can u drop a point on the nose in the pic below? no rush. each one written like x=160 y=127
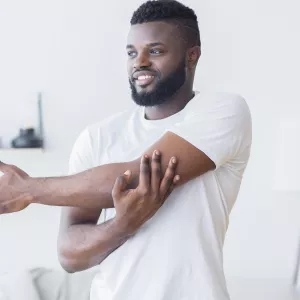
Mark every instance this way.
x=142 y=61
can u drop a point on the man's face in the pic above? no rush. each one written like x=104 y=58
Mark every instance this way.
x=156 y=62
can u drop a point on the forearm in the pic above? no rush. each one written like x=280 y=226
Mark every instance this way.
x=88 y=189
x=84 y=246
x=92 y=188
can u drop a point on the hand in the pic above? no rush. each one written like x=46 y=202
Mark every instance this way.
x=135 y=206
x=13 y=189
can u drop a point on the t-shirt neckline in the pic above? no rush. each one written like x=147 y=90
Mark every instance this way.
x=169 y=119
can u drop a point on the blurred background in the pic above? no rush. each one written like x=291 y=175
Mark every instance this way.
x=73 y=53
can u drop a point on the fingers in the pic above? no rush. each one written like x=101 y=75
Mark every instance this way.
x=144 y=181
x=172 y=187
x=156 y=173
x=169 y=177
x=121 y=184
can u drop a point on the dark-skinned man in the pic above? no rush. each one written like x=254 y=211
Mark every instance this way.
x=163 y=233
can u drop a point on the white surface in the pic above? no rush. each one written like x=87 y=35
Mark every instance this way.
x=78 y=61
x=287 y=166
x=262 y=289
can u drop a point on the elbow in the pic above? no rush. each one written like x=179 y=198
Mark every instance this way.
x=69 y=261
x=68 y=268
x=72 y=265
x=69 y=265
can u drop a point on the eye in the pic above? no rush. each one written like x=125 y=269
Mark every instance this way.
x=156 y=51
x=131 y=53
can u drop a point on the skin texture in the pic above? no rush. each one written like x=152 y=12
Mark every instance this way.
x=82 y=243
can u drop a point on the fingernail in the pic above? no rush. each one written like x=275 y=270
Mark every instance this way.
x=127 y=173
x=157 y=152
x=173 y=160
x=177 y=177
x=146 y=156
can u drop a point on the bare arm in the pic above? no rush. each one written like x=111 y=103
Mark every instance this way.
x=92 y=188
x=83 y=244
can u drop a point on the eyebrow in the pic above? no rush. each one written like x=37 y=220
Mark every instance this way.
x=149 y=45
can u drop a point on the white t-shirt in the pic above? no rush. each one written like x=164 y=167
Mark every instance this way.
x=177 y=254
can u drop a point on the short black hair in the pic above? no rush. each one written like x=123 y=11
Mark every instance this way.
x=170 y=11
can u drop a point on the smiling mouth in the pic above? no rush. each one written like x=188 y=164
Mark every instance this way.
x=144 y=80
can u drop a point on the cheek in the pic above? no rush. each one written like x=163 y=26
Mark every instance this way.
x=167 y=66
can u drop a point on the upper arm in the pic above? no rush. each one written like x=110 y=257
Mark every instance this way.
x=81 y=159
x=207 y=139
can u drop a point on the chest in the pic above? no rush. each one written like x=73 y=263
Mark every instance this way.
x=125 y=144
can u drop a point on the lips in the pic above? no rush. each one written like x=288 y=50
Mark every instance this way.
x=143 y=78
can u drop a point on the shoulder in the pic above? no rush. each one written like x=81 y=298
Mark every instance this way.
x=110 y=123
x=219 y=102
x=87 y=145
x=91 y=134
x=220 y=109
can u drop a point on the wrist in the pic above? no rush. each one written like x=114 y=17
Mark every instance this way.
x=122 y=228
x=35 y=189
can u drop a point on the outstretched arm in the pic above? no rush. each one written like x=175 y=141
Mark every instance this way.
x=91 y=189
x=209 y=138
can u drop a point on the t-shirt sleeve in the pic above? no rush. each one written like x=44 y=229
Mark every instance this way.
x=81 y=157
x=220 y=128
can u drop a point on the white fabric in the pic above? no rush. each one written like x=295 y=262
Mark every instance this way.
x=178 y=253
x=18 y=285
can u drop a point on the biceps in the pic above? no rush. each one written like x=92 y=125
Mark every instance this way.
x=192 y=162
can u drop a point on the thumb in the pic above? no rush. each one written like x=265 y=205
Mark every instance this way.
x=121 y=184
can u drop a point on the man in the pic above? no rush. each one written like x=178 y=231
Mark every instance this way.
x=149 y=248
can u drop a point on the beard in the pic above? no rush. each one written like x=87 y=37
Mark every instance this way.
x=164 y=89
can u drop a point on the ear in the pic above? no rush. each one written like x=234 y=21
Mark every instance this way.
x=193 y=56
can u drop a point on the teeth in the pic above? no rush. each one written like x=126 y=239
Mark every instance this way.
x=143 y=77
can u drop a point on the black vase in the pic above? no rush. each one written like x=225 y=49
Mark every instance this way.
x=27 y=139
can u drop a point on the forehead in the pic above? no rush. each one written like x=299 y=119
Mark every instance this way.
x=153 y=32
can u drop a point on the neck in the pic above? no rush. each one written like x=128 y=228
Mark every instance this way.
x=171 y=106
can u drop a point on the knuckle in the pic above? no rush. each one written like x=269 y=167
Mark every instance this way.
x=170 y=175
x=156 y=197
x=156 y=160
x=156 y=170
x=144 y=169
x=169 y=180
x=119 y=179
x=144 y=192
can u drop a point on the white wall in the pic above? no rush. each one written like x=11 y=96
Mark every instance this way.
x=73 y=51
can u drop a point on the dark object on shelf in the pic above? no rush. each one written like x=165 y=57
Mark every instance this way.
x=27 y=139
